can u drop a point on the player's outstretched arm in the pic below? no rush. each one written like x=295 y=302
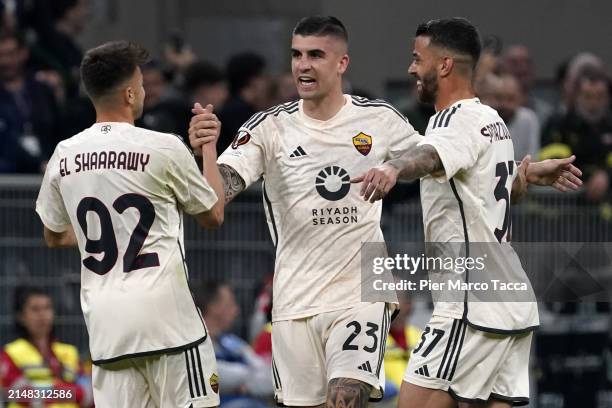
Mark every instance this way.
x=560 y=174
x=412 y=165
x=64 y=239
x=520 y=183
x=201 y=135
x=209 y=127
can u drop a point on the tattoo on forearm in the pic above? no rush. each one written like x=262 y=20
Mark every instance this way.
x=418 y=163
x=348 y=393
x=233 y=184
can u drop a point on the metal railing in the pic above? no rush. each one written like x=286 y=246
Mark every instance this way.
x=240 y=253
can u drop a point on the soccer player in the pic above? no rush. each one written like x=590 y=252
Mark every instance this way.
x=328 y=346
x=473 y=352
x=119 y=191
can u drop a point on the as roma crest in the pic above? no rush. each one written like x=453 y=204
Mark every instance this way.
x=214 y=383
x=363 y=143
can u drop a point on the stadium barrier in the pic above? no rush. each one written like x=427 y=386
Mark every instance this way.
x=241 y=251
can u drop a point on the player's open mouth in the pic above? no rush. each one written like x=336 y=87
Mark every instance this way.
x=306 y=82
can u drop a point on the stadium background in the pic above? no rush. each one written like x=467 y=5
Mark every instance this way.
x=573 y=362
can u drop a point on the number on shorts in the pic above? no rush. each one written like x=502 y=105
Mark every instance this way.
x=437 y=334
x=371 y=332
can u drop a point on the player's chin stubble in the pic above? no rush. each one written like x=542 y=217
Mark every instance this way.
x=429 y=88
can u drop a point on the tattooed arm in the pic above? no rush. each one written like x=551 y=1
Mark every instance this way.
x=418 y=163
x=348 y=392
x=233 y=184
x=412 y=165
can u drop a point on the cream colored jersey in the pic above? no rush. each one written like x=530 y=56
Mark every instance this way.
x=471 y=203
x=123 y=189
x=317 y=219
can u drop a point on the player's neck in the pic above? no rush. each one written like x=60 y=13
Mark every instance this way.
x=458 y=92
x=326 y=108
x=119 y=117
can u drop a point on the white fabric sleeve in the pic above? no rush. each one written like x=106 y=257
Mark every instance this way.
x=458 y=145
x=50 y=204
x=403 y=137
x=247 y=154
x=191 y=189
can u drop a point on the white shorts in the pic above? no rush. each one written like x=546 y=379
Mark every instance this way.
x=309 y=352
x=472 y=365
x=183 y=379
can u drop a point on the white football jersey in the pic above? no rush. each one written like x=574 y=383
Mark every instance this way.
x=123 y=189
x=317 y=218
x=471 y=203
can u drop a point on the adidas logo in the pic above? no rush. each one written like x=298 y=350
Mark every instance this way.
x=422 y=371
x=366 y=367
x=299 y=152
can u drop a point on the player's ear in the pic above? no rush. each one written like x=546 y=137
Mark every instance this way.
x=446 y=66
x=129 y=95
x=343 y=65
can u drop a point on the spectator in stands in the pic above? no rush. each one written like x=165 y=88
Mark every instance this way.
x=518 y=62
x=57 y=47
x=205 y=83
x=249 y=93
x=488 y=66
x=178 y=56
x=8 y=17
x=29 y=113
x=162 y=111
x=522 y=122
x=586 y=131
x=246 y=378
x=570 y=72
x=37 y=360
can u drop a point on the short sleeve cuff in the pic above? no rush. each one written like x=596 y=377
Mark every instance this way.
x=46 y=220
x=445 y=157
x=203 y=205
x=236 y=163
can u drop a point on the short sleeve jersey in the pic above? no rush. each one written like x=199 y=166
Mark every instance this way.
x=471 y=202
x=317 y=219
x=124 y=189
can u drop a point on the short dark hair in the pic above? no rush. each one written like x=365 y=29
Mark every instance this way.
x=208 y=293
x=321 y=26
x=242 y=69
x=61 y=7
x=22 y=294
x=105 y=67
x=456 y=34
x=202 y=73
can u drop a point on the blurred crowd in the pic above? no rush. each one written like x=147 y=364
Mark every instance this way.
x=42 y=103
